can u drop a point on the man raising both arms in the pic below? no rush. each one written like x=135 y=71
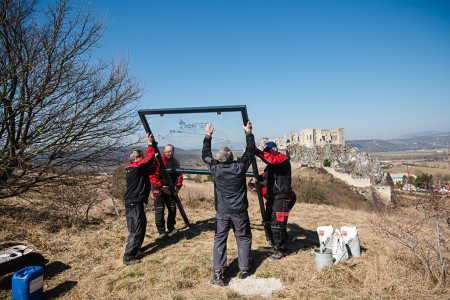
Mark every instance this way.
x=231 y=202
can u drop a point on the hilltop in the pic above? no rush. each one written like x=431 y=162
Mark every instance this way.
x=85 y=261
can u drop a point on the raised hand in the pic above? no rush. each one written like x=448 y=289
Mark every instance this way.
x=209 y=129
x=248 y=127
x=150 y=139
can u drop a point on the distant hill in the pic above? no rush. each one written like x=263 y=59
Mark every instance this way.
x=417 y=142
x=422 y=133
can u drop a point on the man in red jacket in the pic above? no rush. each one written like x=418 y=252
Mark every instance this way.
x=136 y=194
x=163 y=196
x=277 y=180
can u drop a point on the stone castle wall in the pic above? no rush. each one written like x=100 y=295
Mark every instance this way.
x=358 y=169
x=319 y=137
x=308 y=138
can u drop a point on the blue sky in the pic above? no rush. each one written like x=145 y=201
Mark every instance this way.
x=379 y=69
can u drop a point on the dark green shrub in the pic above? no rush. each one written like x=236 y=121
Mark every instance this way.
x=326 y=162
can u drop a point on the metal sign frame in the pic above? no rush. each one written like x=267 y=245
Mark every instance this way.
x=209 y=109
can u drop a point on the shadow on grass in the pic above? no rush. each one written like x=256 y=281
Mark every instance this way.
x=184 y=233
x=60 y=290
x=298 y=239
x=256 y=259
x=54 y=268
x=50 y=270
x=7 y=269
x=301 y=239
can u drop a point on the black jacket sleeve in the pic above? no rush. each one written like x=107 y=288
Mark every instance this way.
x=250 y=150
x=206 y=151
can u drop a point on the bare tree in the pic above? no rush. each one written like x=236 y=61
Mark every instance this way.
x=61 y=109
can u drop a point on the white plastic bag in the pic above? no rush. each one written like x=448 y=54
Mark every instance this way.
x=351 y=238
x=339 y=251
x=325 y=234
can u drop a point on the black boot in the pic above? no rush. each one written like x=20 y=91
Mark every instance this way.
x=217 y=278
x=243 y=274
x=277 y=254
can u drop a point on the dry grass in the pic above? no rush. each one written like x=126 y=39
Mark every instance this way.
x=317 y=186
x=86 y=262
x=435 y=169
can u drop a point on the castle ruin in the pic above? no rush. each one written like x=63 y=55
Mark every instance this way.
x=318 y=137
x=308 y=138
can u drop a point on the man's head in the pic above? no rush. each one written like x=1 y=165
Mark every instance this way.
x=270 y=147
x=168 y=151
x=136 y=155
x=224 y=155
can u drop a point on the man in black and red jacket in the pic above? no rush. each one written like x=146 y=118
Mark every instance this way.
x=277 y=180
x=162 y=195
x=136 y=194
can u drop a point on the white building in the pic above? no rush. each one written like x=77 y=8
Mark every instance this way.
x=318 y=137
x=398 y=177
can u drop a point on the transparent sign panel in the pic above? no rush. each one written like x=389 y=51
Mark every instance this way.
x=184 y=128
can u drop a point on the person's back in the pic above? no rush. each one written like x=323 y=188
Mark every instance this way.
x=137 y=182
x=277 y=175
x=230 y=185
x=231 y=202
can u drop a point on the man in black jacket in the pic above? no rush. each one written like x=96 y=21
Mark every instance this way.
x=136 y=194
x=280 y=197
x=231 y=202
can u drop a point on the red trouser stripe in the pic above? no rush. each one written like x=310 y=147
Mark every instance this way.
x=281 y=215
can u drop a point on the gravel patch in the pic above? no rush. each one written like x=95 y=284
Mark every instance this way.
x=252 y=286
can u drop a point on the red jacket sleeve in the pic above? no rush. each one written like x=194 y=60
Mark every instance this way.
x=180 y=180
x=155 y=178
x=263 y=191
x=270 y=159
x=148 y=159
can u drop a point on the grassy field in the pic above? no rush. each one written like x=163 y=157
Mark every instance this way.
x=85 y=261
x=416 y=168
x=415 y=162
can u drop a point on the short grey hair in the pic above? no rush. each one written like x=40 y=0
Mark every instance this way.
x=135 y=154
x=171 y=146
x=224 y=155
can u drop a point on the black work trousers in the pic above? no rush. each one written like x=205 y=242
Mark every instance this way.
x=137 y=224
x=161 y=202
x=242 y=233
x=277 y=211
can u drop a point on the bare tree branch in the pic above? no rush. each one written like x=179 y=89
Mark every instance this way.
x=61 y=109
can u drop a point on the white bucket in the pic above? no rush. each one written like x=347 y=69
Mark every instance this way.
x=351 y=238
x=340 y=253
x=325 y=234
x=323 y=259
